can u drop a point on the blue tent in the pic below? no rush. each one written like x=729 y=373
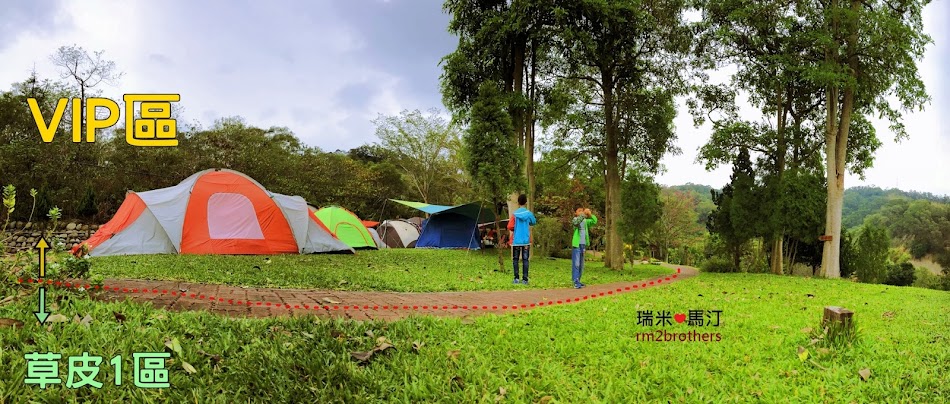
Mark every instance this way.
x=449 y=226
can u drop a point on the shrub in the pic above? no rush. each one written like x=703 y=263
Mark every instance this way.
x=549 y=236
x=718 y=265
x=923 y=278
x=564 y=253
x=900 y=275
x=73 y=267
x=872 y=250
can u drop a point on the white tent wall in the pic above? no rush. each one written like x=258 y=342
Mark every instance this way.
x=318 y=240
x=144 y=236
x=168 y=205
x=379 y=241
x=297 y=214
x=310 y=236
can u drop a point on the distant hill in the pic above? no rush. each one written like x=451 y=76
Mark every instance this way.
x=861 y=202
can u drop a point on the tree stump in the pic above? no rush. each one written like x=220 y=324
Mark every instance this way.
x=837 y=314
x=838 y=321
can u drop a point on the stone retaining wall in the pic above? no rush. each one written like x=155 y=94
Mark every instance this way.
x=24 y=236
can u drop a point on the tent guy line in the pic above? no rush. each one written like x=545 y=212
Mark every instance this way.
x=598 y=291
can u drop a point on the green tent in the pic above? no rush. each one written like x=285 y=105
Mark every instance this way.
x=346 y=227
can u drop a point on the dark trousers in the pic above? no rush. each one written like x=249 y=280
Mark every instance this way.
x=520 y=251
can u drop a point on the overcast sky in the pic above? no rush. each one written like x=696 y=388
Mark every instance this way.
x=326 y=68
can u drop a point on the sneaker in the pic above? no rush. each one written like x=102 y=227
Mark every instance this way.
x=524 y=282
x=516 y=282
x=582 y=284
x=577 y=285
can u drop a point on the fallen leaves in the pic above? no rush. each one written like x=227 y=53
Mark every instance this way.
x=382 y=345
x=119 y=316
x=10 y=322
x=453 y=354
x=416 y=345
x=174 y=346
x=214 y=358
x=57 y=318
x=865 y=374
x=85 y=321
x=802 y=354
x=888 y=314
x=501 y=394
x=329 y=300
x=188 y=368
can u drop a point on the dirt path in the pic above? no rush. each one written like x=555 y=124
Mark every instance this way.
x=240 y=301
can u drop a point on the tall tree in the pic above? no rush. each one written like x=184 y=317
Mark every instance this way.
x=493 y=158
x=423 y=145
x=614 y=48
x=766 y=43
x=677 y=226
x=642 y=208
x=508 y=43
x=734 y=219
x=871 y=49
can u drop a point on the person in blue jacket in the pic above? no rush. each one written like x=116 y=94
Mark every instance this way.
x=521 y=239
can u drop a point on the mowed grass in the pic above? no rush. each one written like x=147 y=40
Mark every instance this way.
x=584 y=352
x=398 y=270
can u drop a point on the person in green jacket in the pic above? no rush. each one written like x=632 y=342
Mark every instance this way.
x=583 y=220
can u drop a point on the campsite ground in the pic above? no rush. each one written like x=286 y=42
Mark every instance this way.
x=770 y=348
x=396 y=270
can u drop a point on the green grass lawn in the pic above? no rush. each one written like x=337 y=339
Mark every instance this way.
x=586 y=352
x=398 y=270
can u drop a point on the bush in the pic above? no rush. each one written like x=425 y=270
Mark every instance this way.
x=564 y=253
x=718 y=265
x=73 y=267
x=900 y=275
x=923 y=278
x=549 y=236
x=872 y=250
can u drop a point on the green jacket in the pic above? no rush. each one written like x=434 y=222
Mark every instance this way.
x=577 y=231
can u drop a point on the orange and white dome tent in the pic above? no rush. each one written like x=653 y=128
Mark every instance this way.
x=216 y=211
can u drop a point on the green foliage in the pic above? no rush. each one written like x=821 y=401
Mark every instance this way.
x=735 y=219
x=923 y=278
x=677 y=228
x=87 y=205
x=922 y=225
x=872 y=247
x=863 y=201
x=75 y=267
x=9 y=199
x=549 y=236
x=719 y=265
x=900 y=274
x=848 y=259
x=641 y=207
x=494 y=160
x=424 y=149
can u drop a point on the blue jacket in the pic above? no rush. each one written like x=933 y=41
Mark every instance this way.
x=523 y=219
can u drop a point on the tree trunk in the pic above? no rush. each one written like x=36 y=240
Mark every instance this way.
x=614 y=251
x=777 y=260
x=836 y=147
x=736 y=255
x=517 y=113
x=498 y=246
x=529 y=130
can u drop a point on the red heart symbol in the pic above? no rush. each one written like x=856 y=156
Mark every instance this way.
x=679 y=317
